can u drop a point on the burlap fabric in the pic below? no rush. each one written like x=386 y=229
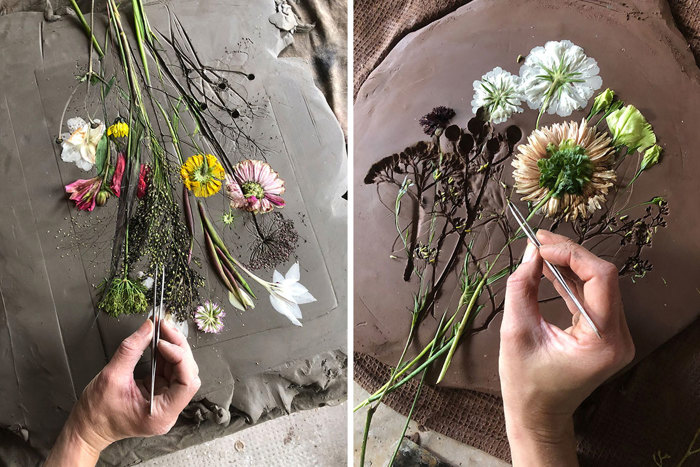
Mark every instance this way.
x=379 y=25
x=648 y=416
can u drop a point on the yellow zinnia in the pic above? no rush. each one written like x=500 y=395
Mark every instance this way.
x=202 y=175
x=118 y=130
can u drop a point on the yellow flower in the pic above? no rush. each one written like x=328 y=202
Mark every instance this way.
x=202 y=175
x=118 y=130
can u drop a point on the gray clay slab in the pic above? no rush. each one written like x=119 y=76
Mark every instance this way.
x=53 y=256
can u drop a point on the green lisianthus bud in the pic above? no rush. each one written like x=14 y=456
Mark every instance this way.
x=602 y=102
x=629 y=128
x=102 y=198
x=651 y=157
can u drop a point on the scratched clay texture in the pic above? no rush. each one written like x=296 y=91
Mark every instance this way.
x=52 y=342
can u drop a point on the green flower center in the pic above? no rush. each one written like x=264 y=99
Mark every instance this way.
x=498 y=95
x=204 y=173
x=253 y=189
x=566 y=169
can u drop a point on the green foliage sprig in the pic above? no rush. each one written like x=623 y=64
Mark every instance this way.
x=123 y=296
x=567 y=169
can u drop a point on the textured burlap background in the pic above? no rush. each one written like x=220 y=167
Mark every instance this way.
x=379 y=25
x=653 y=409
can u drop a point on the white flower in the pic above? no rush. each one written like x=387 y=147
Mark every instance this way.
x=286 y=294
x=499 y=93
x=559 y=78
x=80 y=145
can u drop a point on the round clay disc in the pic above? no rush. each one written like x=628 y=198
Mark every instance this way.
x=641 y=56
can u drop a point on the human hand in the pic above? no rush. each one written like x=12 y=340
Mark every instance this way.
x=115 y=406
x=546 y=372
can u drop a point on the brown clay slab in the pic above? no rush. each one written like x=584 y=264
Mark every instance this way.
x=641 y=55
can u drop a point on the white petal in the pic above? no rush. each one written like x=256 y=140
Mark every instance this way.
x=290 y=310
x=233 y=300
x=75 y=123
x=277 y=276
x=293 y=273
x=247 y=301
x=306 y=297
x=83 y=164
x=293 y=288
x=95 y=134
x=70 y=153
x=285 y=296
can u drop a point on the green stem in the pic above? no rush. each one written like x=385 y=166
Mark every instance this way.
x=410 y=364
x=477 y=292
x=415 y=400
x=368 y=422
x=413 y=374
x=87 y=28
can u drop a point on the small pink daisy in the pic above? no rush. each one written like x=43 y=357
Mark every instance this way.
x=254 y=187
x=208 y=317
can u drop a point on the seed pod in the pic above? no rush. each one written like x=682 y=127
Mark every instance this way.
x=214 y=259
x=227 y=263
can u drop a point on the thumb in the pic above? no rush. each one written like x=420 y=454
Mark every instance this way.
x=521 y=310
x=130 y=350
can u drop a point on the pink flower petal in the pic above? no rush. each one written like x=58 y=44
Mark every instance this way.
x=116 y=184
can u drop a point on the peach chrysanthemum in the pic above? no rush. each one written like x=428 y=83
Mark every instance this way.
x=568 y=166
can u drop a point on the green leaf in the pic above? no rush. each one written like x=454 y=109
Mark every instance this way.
x=108 y=86
x=499 y=275
x=101 y=155
x=629 y=128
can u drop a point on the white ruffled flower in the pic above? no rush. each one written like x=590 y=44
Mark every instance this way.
x=80 y=145
x=559 y=78
x=498 y=91
x=286 y=294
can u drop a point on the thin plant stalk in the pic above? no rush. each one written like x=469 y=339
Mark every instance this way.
x=415 y=401
x=477 y=292
x=87 y=28
x=432 y=343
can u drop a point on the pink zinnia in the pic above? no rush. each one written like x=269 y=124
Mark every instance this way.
x=254 y=187
x=116 y=184
x=83 y=192
x=144 y=175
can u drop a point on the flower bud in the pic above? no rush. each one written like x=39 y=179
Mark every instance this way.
x=602 y=101
x=102 y=198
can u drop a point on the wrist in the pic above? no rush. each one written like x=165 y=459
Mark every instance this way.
x=541 y=440
x=84 y=429
x=75 y=446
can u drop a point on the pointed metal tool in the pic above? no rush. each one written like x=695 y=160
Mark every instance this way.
x=157 y=317
x=555 y=271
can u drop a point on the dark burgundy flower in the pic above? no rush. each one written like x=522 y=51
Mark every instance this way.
x=438 y=118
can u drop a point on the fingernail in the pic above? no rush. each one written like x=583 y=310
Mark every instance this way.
x=529 y=252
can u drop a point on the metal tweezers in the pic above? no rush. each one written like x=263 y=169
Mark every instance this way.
x=157 y=316
x=557 y=275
